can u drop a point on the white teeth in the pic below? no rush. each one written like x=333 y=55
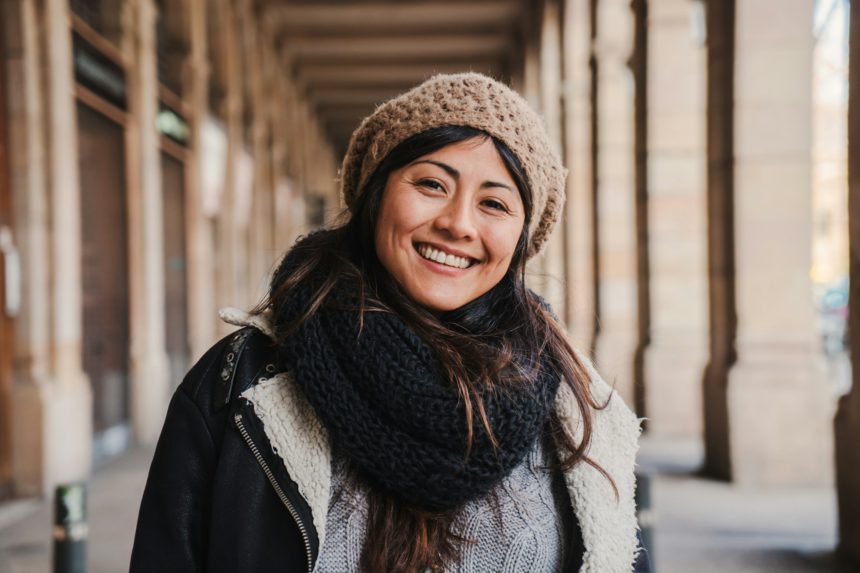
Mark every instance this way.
x=447 y=259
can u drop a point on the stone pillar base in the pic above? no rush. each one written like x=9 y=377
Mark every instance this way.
x=715 y=427
x=780 y=421
x=52 y=437
x=28 y=429
x=673 y=393
x=847 y=430
x=149 y=395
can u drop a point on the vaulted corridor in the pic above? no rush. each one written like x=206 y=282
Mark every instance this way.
x=157 y=158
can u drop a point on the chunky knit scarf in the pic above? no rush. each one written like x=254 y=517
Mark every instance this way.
x=380 y=393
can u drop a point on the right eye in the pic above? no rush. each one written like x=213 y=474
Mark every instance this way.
x=431 y=184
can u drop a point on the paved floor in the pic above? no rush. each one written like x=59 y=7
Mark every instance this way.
x=700 y=526
x=114 y=496
x=703 y=526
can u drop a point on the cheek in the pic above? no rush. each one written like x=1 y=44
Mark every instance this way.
x=395 y=216
x=384 y=222
x=503 y=244
x=391 y=236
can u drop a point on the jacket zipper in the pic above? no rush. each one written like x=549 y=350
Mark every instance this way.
x=295 y=514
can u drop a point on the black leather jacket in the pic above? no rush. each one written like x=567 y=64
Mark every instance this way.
x=218 y=498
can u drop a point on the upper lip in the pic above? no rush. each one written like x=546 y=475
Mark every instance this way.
x=448 y=250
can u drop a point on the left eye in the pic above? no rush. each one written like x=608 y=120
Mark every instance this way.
x=493 y=204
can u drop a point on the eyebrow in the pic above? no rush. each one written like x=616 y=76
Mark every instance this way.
x=456 y=174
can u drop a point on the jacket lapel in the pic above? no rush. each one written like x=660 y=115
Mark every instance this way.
x=299 y=439
x=292 y=427
x=608 y=524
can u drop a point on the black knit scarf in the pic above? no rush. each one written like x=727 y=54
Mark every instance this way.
x=387 y=408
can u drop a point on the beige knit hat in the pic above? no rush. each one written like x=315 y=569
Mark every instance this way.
x=466 y=99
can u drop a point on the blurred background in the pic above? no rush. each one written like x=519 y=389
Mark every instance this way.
x=157 y=157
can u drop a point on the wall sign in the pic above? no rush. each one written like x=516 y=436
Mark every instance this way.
x=170 y=123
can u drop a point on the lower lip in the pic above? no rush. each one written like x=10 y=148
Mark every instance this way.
x=442 y=269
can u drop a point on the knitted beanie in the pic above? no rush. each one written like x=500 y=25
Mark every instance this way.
x=467 y=99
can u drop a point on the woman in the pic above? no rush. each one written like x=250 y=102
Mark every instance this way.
x=401 y=401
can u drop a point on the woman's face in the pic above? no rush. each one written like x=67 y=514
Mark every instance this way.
x=449 y=223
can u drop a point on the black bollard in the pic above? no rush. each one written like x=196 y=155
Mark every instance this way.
x=70 y=528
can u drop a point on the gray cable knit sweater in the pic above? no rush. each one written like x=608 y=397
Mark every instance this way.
x=517 y=527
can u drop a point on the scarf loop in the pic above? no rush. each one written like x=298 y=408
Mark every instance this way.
x=389 y=410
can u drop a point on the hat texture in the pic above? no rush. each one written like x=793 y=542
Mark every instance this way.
x=467 y=99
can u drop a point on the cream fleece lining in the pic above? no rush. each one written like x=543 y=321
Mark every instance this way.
x=608 y=526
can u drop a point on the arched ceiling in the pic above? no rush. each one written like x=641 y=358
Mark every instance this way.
x=347 y=56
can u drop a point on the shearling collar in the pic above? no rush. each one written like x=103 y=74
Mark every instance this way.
x=608 y=524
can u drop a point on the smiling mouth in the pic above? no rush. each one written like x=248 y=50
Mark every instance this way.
x=443 y=258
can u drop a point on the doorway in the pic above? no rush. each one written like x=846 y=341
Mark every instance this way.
x=175 y=281
x=105 y=270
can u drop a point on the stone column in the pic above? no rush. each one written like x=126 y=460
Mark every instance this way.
x=639 y=67
x=720 y=25
x=67 y=409
x=320 y=173
x=201 y=277
x=260 y=252
x=580 y=109
x=149 y=371
x=288 y=216
x=677 y=221
x=528 y=83
x=847 y=424
x=553 y=256
x=780 y=404
x=294 y=133
x=30 y=199
x=229 y=246
x=617 y=337
x=539 y=84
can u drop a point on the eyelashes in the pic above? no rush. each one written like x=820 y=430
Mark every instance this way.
x=493 y=204
x=431 y=184
x=434 y=185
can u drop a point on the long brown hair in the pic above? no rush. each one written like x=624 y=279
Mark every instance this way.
x=503 y=337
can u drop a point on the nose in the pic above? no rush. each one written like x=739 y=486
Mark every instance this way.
x=457 y=219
